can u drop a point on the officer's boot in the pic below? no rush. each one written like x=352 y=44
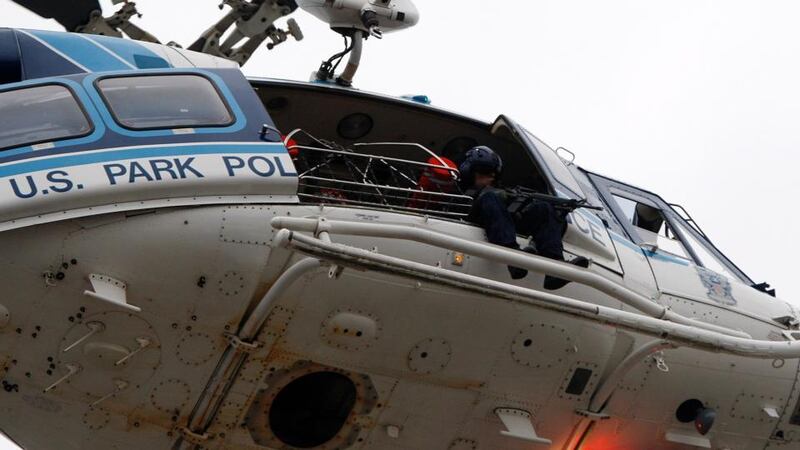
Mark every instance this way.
x=518 y=273
x=553 y=283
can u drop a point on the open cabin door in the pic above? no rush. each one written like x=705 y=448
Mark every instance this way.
x=587 y=233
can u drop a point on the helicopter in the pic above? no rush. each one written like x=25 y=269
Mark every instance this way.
x=196 y=259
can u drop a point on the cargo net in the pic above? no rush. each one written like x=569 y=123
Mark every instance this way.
x=403 y=177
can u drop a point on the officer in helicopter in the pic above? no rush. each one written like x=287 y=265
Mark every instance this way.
x=480 y=172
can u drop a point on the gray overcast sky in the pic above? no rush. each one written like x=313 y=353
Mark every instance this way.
x=696 y=100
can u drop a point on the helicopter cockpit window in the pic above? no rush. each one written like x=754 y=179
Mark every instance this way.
x=649 y=221
x=652 y=226
x=165 y=101
x=40 y=114
x=705 y=257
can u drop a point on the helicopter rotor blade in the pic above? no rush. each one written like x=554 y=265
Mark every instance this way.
x=71 y=14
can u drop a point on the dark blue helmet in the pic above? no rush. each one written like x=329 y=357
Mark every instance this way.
x=480 y=159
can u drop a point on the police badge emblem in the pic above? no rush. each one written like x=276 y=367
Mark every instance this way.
x=719 y=287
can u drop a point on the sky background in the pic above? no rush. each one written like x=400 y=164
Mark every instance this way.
x=696 y=100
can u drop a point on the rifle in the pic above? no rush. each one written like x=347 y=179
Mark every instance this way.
x=520 y=197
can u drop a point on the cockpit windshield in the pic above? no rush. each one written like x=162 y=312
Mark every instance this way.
x=706 y=258
x=652 y=226
x=652 y=223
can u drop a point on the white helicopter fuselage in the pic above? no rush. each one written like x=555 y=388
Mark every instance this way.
x=216 y=285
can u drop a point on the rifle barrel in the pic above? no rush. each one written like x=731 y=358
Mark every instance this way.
x=557 y=202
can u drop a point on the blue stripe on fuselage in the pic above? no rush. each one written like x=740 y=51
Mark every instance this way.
x=137 y=153
x=617 y=238
x=136 y=54
x=41 y=61
x=658 y=256
x=81 y=51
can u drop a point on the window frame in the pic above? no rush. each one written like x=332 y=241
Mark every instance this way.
x=608 y=187
x=522 y=135
x=113 y=114
x=555 y=180
x=78 y=102
x=688 y=252
x=595 y=198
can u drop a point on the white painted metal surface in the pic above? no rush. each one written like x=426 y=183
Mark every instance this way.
x=206 y=283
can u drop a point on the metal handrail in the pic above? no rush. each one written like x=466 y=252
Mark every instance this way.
x=453 y=172
x=381 y=182
x=502 y=255
x=330 y=149
x=380 y=194
x=688 y=218
x=679 y=334
x=378 y=157
x=385 y=206
x=216 y=390
x=394 y=188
